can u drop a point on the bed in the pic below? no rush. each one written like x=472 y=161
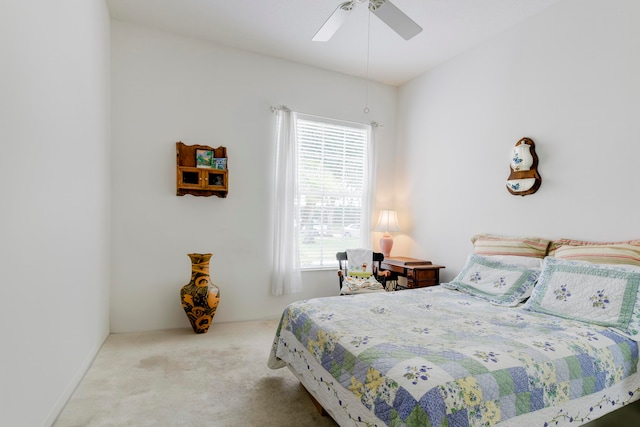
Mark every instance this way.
x=543 y=336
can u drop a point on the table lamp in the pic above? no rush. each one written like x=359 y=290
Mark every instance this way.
x=388 y=222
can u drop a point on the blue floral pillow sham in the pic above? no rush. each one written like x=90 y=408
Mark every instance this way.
x=594 y=293
x=495 y=281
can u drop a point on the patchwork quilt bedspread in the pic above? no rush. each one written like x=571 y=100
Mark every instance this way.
x=435 y=356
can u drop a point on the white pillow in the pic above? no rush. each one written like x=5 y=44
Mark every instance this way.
x=594 y=293
x=495 y=281
x=633 y=330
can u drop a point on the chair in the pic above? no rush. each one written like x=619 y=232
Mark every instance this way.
x=380 y=275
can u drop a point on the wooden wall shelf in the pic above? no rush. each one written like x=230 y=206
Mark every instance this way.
x=200 y=181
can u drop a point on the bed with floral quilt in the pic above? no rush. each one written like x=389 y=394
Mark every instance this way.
x=501 y=344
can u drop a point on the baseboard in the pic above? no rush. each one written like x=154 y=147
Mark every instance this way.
x=73 y=384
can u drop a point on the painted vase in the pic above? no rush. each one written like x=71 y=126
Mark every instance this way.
x=200 y=297
x=521 y=159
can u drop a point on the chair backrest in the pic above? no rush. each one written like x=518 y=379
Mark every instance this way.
x=378 y=257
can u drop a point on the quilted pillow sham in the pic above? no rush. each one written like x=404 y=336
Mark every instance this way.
x=592 y=293
x=491 y=244
x=497 y=282
x=522 y=261
x=627 y=253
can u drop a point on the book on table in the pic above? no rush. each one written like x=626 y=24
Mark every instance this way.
x=405 y=261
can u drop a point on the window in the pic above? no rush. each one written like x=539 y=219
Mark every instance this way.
x=333 y=188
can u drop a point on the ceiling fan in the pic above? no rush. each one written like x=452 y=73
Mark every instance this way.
x=397 y=20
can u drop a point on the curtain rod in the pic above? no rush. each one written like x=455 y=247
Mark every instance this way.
x=275 y=108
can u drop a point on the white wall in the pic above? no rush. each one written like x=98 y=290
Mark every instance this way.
x=569 y=78
x=168 y=88
x=55 y=204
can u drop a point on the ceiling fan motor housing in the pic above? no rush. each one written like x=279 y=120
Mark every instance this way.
x=375 y=4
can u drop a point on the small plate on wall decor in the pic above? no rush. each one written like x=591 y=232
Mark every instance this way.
x=524 y=177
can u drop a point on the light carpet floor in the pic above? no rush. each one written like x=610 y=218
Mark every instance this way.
x=178 y=378
x=221 y=378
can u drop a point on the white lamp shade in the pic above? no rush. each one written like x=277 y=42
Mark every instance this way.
x=388 y=221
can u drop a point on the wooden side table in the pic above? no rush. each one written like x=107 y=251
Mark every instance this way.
x=419 y=273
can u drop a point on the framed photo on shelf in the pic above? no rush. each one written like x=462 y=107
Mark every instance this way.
x=203 y=158
x=219 y=163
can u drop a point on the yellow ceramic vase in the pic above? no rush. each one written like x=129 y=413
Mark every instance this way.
x=200 y=297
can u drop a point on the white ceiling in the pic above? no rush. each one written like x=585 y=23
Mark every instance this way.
x=284 y=28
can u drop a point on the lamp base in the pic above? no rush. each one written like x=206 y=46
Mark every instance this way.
x=386 y=243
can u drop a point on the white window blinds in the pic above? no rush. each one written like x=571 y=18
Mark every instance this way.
x=332 y=181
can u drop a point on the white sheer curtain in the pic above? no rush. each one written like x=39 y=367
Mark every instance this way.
x=285 y=277
x=368 y=200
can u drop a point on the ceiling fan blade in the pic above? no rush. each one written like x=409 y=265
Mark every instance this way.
x=395 y=18
x=334 y=22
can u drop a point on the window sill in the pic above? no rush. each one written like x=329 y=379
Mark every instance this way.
x=328 y=268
